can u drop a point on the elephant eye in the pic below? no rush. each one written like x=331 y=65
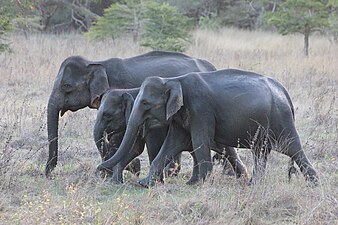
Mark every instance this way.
x=67 y=87
x=107 y=116
x=144 y=102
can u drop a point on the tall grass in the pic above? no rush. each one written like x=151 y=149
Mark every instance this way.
x=76 y=196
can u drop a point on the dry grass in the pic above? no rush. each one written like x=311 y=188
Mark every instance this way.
x=76 y=196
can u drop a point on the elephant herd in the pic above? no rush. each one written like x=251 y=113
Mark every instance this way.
x=171 y=102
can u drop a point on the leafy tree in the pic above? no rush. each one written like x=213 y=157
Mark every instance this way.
x=118 y=19
x=5 y=26
x=299 y=16
x=333 y=19
x=7 y=11
x=161 y=25
x=164 y=27
x=209 y=22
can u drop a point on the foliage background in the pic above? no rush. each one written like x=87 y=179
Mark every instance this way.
x=112 y=18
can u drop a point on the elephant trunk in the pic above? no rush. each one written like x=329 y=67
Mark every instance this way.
x=99 y=138
x=127 y=143
x=53 y=110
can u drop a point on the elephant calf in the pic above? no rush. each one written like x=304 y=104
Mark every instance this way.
x=207 y=109
x=112 y=118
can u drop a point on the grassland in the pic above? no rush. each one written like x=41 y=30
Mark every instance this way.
x=76 y=196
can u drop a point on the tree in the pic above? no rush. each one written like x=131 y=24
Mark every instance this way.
x=164 y=27
x=299 y=16
x=4 y=28
x=333 y=19
x=53 y=15
x=7 y=11
x=117 y=20
x=161 y=25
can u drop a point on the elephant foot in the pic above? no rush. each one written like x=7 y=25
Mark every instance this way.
x=172 y=169
x=134 y=167
x=105 y=174
x=150 y=181
x=227 y=170
x=147 y=182
x=51 y=164
x=115 y=180
x=312 y=180
x=193 y=180
x=292 y=170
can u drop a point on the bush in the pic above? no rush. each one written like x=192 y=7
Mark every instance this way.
x=5 y=26
x=164 y=27
x=117 y=20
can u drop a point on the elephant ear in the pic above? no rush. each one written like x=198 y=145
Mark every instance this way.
x=127 y=103
x=98 y=83
x=175 y=98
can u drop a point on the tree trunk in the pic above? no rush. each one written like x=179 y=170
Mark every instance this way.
x=306 y=43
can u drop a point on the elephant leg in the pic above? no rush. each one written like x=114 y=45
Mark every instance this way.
x=174 y=166
x=201 y=134
x=110 y=145
x=195 y=172
x=175 y=142
x=137 y=149
x=154 y=141
x=297 y=154
x=134 y=166
x=236 y=163
x=292 y=169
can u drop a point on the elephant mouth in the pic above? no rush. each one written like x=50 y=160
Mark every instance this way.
x=113 y=133
x=154 y=123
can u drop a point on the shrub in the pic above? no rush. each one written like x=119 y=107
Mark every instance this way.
x=164 y=27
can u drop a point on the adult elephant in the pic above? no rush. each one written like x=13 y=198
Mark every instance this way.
x=80 y=83
x=112 y=118
x=222 y=108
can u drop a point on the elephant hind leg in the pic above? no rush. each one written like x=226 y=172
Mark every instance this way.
x=297 y=154
x=292 y=169
x=231 y=156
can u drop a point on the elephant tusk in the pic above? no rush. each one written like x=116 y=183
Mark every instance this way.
x=62 y=112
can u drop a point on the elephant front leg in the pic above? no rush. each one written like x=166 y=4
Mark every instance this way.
x=175 y=142
x=195 y=171
x=201 y=134
x=154 y=140
x=137 y=149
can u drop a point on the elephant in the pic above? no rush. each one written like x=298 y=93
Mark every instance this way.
x=80 y=83
x=204 y=109
x=112 y=118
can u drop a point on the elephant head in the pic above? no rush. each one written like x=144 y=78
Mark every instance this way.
x=79 y=83
x=156 y=103
x=112 y=118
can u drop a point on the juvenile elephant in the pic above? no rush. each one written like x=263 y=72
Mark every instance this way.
x=112 y=118
x=227 y=107
x=80 y=83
